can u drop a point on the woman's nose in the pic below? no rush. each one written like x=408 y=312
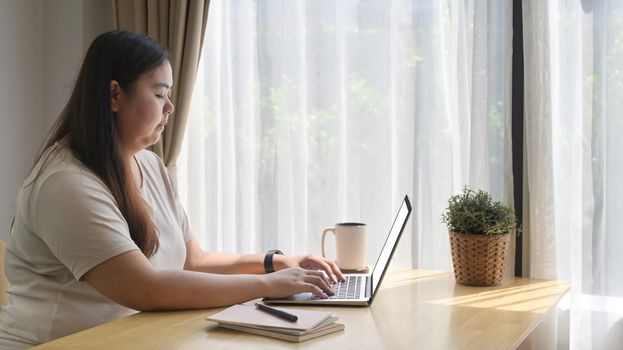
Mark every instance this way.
x=169 y=108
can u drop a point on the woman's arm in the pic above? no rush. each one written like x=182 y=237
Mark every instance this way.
x=226 y=263
x=130 y=280
x=222 y=263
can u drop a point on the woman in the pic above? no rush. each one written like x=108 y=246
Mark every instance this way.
x=99 y=231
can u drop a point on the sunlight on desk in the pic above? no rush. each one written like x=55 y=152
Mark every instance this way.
x=535 y=297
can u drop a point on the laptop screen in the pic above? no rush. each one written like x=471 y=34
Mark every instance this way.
x=390 y=243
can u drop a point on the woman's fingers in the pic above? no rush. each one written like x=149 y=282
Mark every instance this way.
x=328 y=266
x=296 y=280
x=315 y=290
x=327 y=269
x=336 y=270
x=316 y=278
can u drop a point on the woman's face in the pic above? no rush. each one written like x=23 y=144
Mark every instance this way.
x=143 y=111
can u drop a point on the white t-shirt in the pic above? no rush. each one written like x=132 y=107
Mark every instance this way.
x=66 y=223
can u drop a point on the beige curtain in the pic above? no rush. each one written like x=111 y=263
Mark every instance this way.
x=179 y=26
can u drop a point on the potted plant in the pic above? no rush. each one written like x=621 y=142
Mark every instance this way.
x=480 y=231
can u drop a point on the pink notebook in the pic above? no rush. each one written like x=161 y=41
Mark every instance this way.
x=249 y=315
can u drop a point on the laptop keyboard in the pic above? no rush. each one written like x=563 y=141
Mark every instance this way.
x=349 y=289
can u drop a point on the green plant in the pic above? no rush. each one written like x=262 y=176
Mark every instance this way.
x=477 y=213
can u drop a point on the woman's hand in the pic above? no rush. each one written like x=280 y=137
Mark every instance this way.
x=294 y=280
x=309 y=262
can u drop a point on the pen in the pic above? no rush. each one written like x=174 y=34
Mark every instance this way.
x=277 y=312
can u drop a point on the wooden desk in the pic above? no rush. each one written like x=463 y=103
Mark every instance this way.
x=414 y=308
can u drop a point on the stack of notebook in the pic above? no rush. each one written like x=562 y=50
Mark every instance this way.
x=247 y=318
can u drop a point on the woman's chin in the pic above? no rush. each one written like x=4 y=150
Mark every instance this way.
x=154 y=139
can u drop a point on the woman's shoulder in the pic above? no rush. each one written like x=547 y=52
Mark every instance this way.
x=58 y=180
x=150 y=157
x=151 y=162
x=58 y=161
x=154 y=167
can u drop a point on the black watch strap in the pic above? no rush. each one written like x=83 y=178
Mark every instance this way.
x=268 y=260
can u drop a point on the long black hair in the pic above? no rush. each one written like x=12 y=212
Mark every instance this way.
x=89 y=126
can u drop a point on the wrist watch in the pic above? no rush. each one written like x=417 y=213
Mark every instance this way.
x=268 y=260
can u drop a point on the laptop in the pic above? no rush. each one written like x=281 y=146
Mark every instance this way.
x=359 y=289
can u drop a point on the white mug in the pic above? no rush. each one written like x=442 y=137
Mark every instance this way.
x=350 y=244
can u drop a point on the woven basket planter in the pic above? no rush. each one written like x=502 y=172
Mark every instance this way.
x=479 y=260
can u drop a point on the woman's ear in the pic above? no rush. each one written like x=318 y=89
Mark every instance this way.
x=115 y=95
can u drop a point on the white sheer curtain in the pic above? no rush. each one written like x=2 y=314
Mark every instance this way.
x=308 y=113
x=574 y=107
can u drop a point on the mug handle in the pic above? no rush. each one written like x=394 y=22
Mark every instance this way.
x=324 y=233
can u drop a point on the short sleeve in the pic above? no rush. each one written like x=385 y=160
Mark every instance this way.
x=77 y=217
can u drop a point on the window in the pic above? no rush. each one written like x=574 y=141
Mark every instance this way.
x=308 y=113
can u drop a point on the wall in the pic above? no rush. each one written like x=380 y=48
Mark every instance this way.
x=21 y=68
x=62 y=52
x=42 y=43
